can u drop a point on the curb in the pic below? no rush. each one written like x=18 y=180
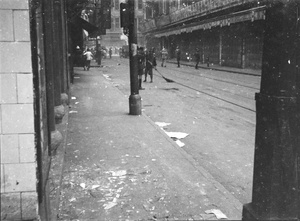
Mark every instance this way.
x=56 y=200
x=218 y=69
x=221 y=189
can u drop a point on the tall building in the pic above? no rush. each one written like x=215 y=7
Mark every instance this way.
x=227 y=32
x=114 y=37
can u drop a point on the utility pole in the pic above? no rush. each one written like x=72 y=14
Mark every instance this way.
x=276 y=178
x=128 y=23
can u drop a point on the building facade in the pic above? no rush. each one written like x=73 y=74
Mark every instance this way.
x=114 y=37
x=34 y=88
x=17 y=133
x=228 y=33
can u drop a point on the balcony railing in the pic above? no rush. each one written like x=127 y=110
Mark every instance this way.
x=200 y=8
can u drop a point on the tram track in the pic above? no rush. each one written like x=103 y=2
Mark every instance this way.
x=176 y=78
x=216 y=97
x=216 y=79
x=210 y=94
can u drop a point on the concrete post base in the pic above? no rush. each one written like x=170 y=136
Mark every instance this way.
x=59 y=112
x=135 y=104
x=64 y=99
x=56 y=140
x=251 y=215
x=275 y=179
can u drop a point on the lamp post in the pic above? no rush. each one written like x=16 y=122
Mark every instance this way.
x=134 y=98
x=276 y=180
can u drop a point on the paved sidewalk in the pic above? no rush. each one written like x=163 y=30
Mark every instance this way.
x=119 y=167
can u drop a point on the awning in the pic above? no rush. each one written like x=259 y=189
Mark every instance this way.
x=80 y=22
x=248 y=15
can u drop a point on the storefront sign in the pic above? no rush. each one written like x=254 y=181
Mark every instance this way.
x=163 y=20
x=150 y=24
x=204 y=7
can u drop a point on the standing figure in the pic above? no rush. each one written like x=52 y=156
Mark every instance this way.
x=141 y=66
x=98 y=56
x=88 y=57
x=150 y=64
x=207 y=61
x=110 y=52
x=178 y=53
x=78 y=57
x=197 y=58
x=164 y=56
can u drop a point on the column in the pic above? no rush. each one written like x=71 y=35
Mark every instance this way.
x=276 y=164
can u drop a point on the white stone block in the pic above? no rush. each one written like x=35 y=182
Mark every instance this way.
x=17 y=118
x=10 y=149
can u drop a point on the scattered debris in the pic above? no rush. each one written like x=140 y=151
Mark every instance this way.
x=107 y=76
x=73 y=112
x=177 y=135
x=73 y=98
x=109 y=205
x=95 y=186
x=72 y=199
x=162 y=124
x=119 y=173
x=217 y=213
x=179 y=143
x=148 y=207
x=83 y=185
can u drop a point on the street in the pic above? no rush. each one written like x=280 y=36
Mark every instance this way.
x=216 y=109
x=190 y=153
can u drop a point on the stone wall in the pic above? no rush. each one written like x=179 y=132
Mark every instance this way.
x=19 y=200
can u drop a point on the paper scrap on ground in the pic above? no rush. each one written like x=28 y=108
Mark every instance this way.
x=107 y=76
x=73 y=98
x=72 y=199
x=217 y=213
x=178 y=135
x=109 y=205
x=118 y=173
x=179 y=143
x=162 y=124
x=82 y=185
x=73 y=112
x=95 y=186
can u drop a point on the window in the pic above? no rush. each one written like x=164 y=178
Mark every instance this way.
x=117 y=5
x=164 y=7
x=117 y=22
x=112 y=25
x=140 y=4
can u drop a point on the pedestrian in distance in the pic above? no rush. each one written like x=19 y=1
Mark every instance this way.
x=164 y=56
x=88 y=57
x=197 y=58
x=141 y=66
x=207 y=61
x=178 y=54
x=150 y=64
x=98 y=55
x=110 y=52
